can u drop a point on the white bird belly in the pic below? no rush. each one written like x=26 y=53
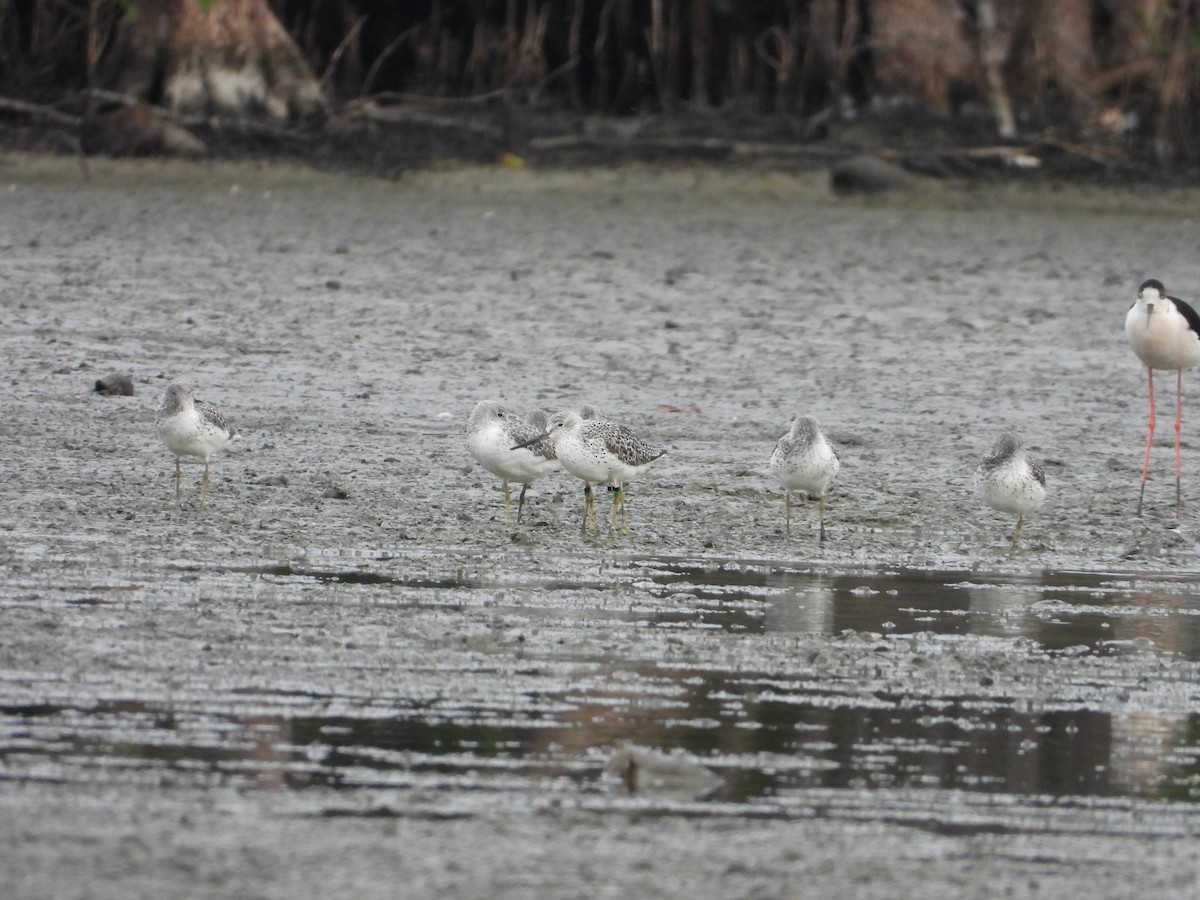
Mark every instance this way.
x=1162 y=340
x=191 y=435
x=492 y=447
x=1011 y=488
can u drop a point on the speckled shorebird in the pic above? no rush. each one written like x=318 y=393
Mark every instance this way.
x=191 y=427
x=1165 y=334
x=599 y=452
x=1008 y=480
x=492 y=431
x=804 y=460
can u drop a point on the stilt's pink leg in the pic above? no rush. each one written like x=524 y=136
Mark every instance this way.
x=1178 y=452
x=1149 y=441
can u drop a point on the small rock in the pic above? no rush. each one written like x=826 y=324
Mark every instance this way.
x=866 y=174
x=336 y=493
x=114 y=385
x=273 y=480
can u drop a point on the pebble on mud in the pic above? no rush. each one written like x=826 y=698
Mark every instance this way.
x=116 y=384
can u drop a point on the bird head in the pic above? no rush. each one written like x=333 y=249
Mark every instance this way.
x=1151 y=292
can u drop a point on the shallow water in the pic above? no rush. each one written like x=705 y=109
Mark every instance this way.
x=769 y=732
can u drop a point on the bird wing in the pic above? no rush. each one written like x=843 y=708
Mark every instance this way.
x=1185 y=310
x=212 y=414
x=623 y=443
x=783 y=447
x=520 y=432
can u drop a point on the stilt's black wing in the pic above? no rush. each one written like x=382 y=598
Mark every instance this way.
x=1193 y=318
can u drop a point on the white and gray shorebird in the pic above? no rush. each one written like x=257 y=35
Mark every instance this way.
x=599 y=452
x=191 y=427
x=492 y=431
x=1009 y=481
x=1165 y=334
x=805 y=460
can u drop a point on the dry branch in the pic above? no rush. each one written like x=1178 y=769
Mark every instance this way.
x=402 y=115
x=39 y=113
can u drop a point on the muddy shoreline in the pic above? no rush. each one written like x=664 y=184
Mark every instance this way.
x=348 y=672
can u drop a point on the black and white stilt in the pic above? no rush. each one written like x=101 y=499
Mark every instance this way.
x=1165 y=334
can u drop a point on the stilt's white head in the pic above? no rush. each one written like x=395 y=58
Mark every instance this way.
x=1151 y=292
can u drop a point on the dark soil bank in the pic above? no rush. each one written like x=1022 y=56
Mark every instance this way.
x=348 y=674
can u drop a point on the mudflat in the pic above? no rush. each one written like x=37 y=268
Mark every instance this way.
x=349 y=673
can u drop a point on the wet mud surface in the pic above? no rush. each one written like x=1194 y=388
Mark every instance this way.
x=348 y=673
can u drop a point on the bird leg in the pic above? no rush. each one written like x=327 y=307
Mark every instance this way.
x=1017 y=530
x=521 y=502
x=508 y=502
x=618 y=495
x=787 y=504
x=1149 y=442
x=1178 y=462
x=821 y=510
x=204 y=484
x=587 y=506
x=178 y=483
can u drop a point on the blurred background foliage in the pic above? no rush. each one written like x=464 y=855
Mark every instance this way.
x=1096 y=71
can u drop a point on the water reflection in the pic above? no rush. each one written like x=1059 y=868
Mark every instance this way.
x=1057 y=610
x=766 y=734
x=764 y=743
x=1104 y=614
x=1143 y=744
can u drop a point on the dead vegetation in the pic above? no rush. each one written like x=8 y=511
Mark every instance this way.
x=1118 y=75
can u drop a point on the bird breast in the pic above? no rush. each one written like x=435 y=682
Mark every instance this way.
x=1162 y=339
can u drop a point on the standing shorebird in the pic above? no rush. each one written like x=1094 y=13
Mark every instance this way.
x=804 y=460
x=191 y=427
x=1008 y=480
x=599 y=452
x=491 y=432
x=1165 y=334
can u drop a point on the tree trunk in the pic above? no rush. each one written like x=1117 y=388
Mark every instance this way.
x=1063 y=41
x=230 y=57
x=995 y=43
x=921 y=47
